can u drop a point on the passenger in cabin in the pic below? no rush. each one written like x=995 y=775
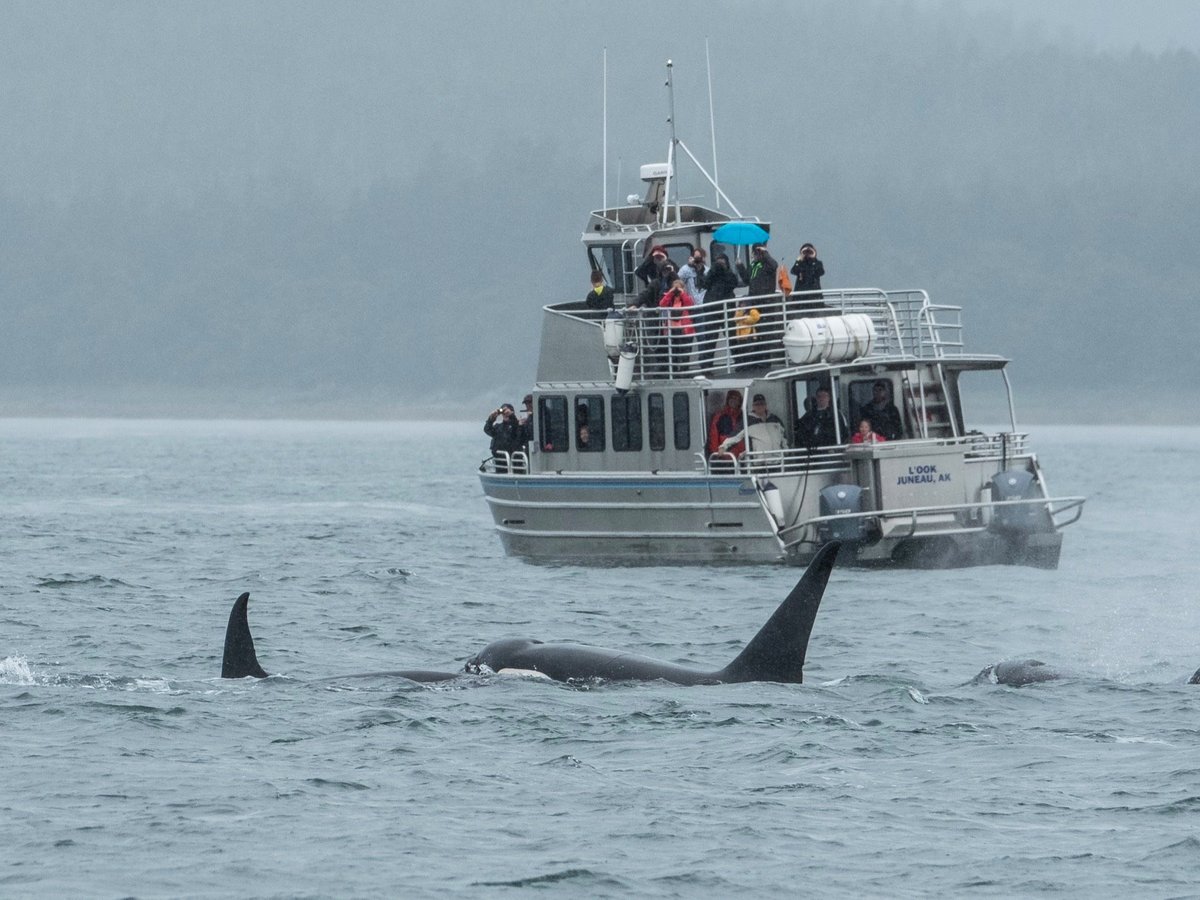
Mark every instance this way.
x=866 y=433
x=818 y=427
x=600 y=297
x=764 y=429
x=727 y=422
x=808 y=271
x=506 y=433
x=583 y=438
x=681 y=333
x=718 y=284
x=882 y=411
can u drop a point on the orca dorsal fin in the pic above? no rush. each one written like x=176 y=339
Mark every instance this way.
x=777 y=652
x=240 y=660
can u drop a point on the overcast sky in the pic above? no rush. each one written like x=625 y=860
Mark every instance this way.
x=185 y=137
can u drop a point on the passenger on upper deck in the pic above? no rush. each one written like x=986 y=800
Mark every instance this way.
x=601 y=295
x=692 y=275
x=817 y=427
x=808 y=271
x=882 y=412
x=718 y=284
x=726 y=422
x=762 y=273
x=679 y=328
x=651 y=273
x=866 y=434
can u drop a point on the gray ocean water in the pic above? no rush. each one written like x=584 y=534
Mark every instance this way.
x=131 y=769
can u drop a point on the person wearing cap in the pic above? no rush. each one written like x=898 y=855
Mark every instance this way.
x=506 y=433
x=764 y=429
x=882 y=412
x=525 y=420
x=761 y=275
x=808 y=271
x=651 y=273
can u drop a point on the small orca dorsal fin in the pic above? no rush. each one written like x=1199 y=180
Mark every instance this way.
x=1195 y=679
x=240 y=660
x=777 y=652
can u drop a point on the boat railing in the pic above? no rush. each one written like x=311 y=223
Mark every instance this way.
x=749 y=331
x=976 y=447
x=505 y=463
x=943 y=519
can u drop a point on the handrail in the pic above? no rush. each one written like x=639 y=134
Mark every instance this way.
x=914 y=511
x=748 y=330
x=504 y=463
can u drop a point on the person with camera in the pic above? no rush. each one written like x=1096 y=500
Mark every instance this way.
x=808 y=271
x=679 y=328
x=508 y=437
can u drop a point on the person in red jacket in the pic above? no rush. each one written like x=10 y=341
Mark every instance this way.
x=866 y=433
x=678 y=326
x=727 y=421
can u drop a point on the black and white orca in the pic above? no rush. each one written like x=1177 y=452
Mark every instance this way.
x=776 y=653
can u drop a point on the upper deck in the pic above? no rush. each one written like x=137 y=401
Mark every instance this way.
x=763 y=336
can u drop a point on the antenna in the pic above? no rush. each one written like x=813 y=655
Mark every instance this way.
x=712 y=123
x=671 y=148
x=604 y=169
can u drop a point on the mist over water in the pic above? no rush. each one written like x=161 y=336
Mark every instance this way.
x=308 y=210
x=132 y=769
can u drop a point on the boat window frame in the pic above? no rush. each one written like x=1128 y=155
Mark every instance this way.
x=633 y=423
x=656 y=421
x=596 y=435
x=681 y=420
x=548 y=434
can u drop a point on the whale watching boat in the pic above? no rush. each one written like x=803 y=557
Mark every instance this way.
x=626 y=465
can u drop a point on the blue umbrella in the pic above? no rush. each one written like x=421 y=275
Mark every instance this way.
x=741 y=233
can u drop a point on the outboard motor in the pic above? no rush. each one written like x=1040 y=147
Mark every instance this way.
x=625 y=368
x=1016 y=484
x=836 y=500
x=614 y=332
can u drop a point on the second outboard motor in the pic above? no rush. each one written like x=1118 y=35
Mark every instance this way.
x=625 y=368
x=1017 y=484
x=614 y=332
x=836 y=500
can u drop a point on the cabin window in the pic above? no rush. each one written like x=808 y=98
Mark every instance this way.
x=656 y=411
x=627 y=423
x=862 y=397
x=589 y=423
x=552 y=424
x=681 y=418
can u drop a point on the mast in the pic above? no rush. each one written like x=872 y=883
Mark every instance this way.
x=671 y=149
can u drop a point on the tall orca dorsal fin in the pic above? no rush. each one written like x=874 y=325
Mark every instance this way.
x=777 y=652
x=1195 y=679
x=240 y=660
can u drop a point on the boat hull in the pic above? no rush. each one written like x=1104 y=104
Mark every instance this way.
x=713 y=520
